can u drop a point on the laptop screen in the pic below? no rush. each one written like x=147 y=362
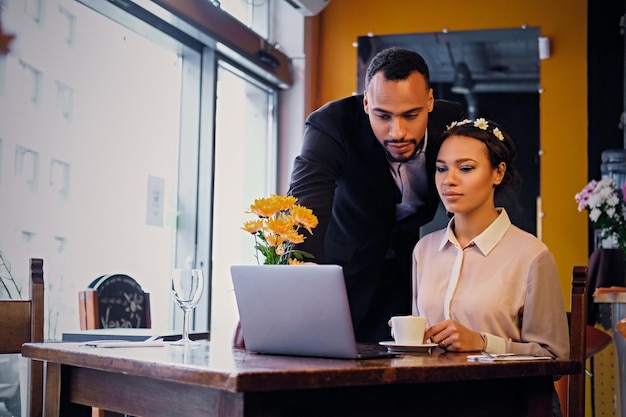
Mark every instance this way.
x=294 y=310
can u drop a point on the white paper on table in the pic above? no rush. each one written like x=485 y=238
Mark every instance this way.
x=503 y=357
x=123 y=343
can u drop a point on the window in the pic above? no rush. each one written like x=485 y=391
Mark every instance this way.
x=131 y=147
x=245 y=169
x=83 y=185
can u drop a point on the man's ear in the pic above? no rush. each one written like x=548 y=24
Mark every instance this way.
x=431 y=100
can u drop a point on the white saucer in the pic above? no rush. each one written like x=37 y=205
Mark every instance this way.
x=392 y=346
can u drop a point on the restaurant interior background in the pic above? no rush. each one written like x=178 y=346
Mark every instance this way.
x=128 y=150
x=580 y=105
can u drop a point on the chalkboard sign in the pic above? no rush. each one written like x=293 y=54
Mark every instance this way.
x=121 y=302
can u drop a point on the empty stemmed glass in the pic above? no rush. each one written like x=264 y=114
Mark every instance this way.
x=187 y=287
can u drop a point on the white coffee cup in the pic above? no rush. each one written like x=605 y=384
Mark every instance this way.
x=408 y=330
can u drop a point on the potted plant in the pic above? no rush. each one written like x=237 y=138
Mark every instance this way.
x=276 y=232
x=276 y=229
x=605 y=203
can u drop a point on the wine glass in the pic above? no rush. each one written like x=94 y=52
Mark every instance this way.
x=187 y=287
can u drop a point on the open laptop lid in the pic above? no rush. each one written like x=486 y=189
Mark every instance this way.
x=294 y=310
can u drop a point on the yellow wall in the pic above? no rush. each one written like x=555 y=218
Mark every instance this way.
x=563 y=104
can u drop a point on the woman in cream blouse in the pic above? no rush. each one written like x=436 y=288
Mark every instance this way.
x=483 y=283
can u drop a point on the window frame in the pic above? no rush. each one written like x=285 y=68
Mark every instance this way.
x=201 y=52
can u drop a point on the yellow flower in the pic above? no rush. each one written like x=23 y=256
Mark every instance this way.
x=280 y=225
x=284 y=202
x=267 y=207
x=253 y=226
x=293 y=236
x=276 y=230
x=274 y=240
x=304 y=217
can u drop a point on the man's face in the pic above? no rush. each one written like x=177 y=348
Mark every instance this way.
x=398 y=113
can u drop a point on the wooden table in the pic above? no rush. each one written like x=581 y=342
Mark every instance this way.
x=221 y=381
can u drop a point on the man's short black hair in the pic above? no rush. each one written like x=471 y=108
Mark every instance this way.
x=397 y=64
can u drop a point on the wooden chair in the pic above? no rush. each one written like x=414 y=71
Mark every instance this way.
x=585 y=341
x=21 y=322
x=113 y=301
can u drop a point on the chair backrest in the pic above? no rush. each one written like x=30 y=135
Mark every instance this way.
x=114 y=301
x=21 y=322
x=585 y=341
x=578 y=341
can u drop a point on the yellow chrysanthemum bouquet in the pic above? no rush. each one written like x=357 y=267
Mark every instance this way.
x=276 y=229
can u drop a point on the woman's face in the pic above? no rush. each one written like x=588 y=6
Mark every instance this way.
x=464 y=176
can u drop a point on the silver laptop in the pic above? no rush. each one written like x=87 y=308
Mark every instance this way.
x=297 y=310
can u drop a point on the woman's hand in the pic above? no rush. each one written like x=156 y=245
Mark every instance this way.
x=452 y=336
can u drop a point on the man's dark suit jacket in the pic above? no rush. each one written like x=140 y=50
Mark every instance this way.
x=343 y=175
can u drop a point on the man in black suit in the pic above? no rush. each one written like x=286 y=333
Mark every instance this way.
x=366 y=169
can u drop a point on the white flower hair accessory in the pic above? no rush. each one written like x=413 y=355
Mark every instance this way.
x=480 y=123
x=497 y=133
